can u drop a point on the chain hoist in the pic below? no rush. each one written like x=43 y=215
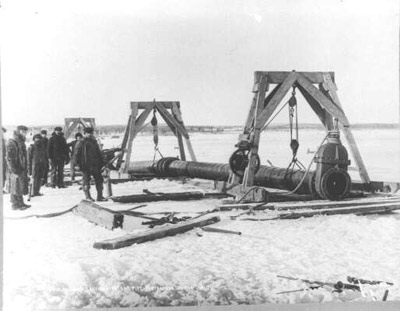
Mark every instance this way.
x=294 y=126
x=154 y=123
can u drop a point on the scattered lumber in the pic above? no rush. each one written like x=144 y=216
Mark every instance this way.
x=211 y=229
x=338 y=286
x=358 y=210
x=337 y=204
x=310 y=205
x=355 y=280
x=173 y=196
x=246 y=206
x=153 y=234
x=99 y=215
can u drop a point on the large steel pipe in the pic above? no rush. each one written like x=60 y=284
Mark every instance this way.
x=270 y=177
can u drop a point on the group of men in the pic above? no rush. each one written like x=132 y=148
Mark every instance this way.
x=22 y=165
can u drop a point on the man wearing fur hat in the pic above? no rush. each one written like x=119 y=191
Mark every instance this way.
x=45 y=140
x=16 y=157
x=58 y=153
x=90 y=160
x=37 y=157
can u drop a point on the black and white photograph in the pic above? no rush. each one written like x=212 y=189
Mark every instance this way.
x=202 y=154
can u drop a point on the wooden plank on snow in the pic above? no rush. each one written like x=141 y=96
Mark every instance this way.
x=99 y=215
x=153 y=234
x=174 y=196
x=359 y=210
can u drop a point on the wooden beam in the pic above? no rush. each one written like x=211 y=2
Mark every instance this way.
x=166 y=104
x=330 y=106
x=157 y=233
x=248 y=179
x=99 y=215
x=169 y=118
x=337 y=204
x=132 y=125
x=277 y=77
x=124 y=143
x=190 y=149
x=178 y=117
x=276 y=99
x=251 y=116
x=331 y=88
x=175 y=196
x=359 y=210
x=142 y=105
x=328 y=118
x=316 y=107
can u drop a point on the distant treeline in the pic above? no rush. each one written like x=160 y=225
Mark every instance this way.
x=106 y=130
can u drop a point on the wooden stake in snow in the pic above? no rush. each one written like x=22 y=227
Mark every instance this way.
x=153 y=234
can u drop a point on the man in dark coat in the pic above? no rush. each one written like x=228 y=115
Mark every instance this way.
x=90 y=160
x=58 y=155
x=4 y=158
x=37 y=157
x=71 y=146
x=46 y=144
x=18 y=168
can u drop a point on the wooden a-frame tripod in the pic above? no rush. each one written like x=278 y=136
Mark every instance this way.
x=323 y=100
x=72 y=123
x=170 y=112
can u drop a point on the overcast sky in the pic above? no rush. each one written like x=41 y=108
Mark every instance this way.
x=91 y=58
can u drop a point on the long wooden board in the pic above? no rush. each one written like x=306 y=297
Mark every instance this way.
x=311 y=205
x=175 y=196
x=153 y=234
x=359 y=210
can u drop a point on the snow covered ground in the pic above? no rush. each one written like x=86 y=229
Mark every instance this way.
x=51 y=262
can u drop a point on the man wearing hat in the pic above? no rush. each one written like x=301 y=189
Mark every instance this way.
x=90 y=160
x=37 y=157
x=4 y=157
x=59 y=155
x=71 y=146
x=18 y=168
x=45 y=140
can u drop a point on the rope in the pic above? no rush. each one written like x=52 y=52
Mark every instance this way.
x=45 y=215
x=308 y=169
x=266 y=125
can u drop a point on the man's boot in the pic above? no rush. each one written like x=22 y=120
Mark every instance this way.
x=22 y=205
x=15 y=204
x=100 y=197
x=86 y=191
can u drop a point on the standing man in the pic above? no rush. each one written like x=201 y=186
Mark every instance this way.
x=58 y=155
x=4 y=158
x=18 y=168
x=90 y=161
x=72 y=146
x=37 y=158
x=46 y=144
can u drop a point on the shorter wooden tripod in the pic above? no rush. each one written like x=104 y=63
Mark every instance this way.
x=170 y=112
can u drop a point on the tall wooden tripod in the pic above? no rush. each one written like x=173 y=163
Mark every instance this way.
x=170 y=112
x=322 y=98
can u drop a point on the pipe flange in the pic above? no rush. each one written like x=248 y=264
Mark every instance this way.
x=335 y=184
